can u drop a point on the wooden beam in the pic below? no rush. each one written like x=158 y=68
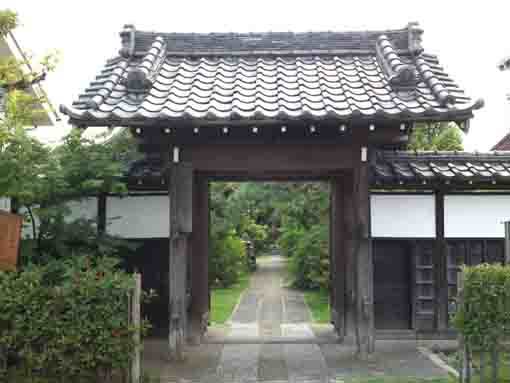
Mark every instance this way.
x=270 y=158
x=180 y=194
x=364 y=263
x=440 y=267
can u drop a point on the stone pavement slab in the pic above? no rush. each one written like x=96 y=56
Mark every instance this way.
x=270 y=339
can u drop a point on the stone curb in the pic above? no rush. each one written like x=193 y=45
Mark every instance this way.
x=438 y=361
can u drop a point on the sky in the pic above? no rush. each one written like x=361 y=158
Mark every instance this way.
x=470 y=38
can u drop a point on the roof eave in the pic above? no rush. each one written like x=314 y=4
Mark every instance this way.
x=137 y=122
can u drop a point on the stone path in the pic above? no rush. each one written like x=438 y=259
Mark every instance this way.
x=270 y=339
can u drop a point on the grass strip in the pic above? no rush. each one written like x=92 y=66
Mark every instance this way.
x=224 y=300
x=318 y=302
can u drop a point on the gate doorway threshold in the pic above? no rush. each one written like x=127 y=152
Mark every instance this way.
x=297 y=333
x=269 y=340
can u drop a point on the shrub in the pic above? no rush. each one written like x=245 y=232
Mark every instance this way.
x=74 y=328
x=289 y=240
x=309 y=257
x=227 y=261
x=483 y=315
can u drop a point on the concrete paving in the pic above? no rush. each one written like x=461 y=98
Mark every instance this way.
x=270 y=339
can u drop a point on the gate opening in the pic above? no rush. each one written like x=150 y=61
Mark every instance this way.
x=269 y=257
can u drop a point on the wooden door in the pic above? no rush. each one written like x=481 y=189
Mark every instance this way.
x=392 y=285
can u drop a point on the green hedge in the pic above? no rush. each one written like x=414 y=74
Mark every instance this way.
x=483 y=315
x=74 y=327
x=227 y=261
x=309 y=256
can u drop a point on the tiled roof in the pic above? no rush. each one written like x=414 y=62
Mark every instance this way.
x=389 y=169
x=503 y=144
x=263 y=43
x=450 y=168
x=267 y=76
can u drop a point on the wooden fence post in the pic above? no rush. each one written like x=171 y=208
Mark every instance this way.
x=495 y=364
x=135 y=373
x=464 y=370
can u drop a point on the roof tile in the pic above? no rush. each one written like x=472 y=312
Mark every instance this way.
x=390 y=168
x=336 y=75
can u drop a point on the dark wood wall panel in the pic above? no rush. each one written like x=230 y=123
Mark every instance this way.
x=422 y=284
x=470 y=252
x=151 y=259
x=392 y=285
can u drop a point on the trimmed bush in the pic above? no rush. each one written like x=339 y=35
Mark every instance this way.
x=309 y=260
x=483 y=315
x=73 y=329
x=227 y=261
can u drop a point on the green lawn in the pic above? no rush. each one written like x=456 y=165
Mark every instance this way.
x=399 y=380
x=223 y=301
x=503 y=367
x=318 y=302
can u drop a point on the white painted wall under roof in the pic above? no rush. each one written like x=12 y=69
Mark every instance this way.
x=402 y=216
x=142 y=216
x=134 y=216
x=476 y=216
x=85 y=208
x=5 y=204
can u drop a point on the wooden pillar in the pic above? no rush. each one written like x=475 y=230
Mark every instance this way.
x=440 y=267
x=364 y=262
x=199 y=310
x=337 y=256
x=180 y=194
x=332 y=303
x=349 y=247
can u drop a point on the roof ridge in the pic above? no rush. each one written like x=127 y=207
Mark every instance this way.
x=137 y=42
x=323 y=31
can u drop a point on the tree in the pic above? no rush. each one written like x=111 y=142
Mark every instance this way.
x=43 y=180
x=436 y=136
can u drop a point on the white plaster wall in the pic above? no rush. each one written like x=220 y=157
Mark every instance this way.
x=138 y=216
x=402 y=216
x=85 y=209
x=5 y=204
x=476 y=216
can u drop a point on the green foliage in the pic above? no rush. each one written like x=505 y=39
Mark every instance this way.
x=244 y=208
x=304 y=234
x=8 y=21
x=437 y=136
x=294 y=215
x=72 y=326
x=309 y=263
x=228 y=260
x=318 y=302
x=63 y=239
x=483 y=316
